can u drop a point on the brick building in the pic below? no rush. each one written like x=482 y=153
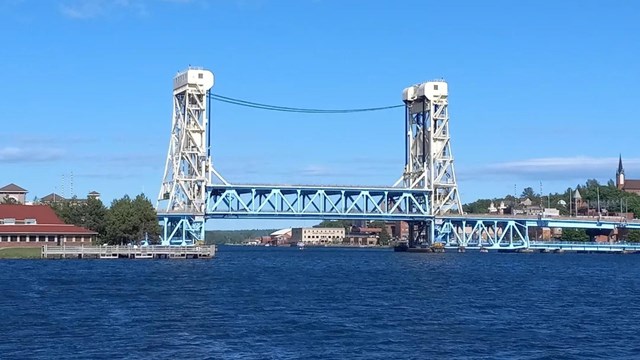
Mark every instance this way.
x=36 y=225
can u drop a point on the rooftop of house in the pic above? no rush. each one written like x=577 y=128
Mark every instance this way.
x=281 y=232
x=42 y=214
x=52 y=197
x=632 y=184
x=12 y=188
x=46 y=221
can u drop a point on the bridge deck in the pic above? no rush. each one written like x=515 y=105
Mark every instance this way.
x=585 y=246
x=583 y=222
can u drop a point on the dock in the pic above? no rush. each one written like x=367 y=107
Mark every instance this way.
x=128 y=252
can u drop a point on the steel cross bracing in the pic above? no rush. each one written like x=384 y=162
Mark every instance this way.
x=321 y=202
x=504 y=232
x=188 y=168
x=182 y=229
x=482 y=233
x=428 y=156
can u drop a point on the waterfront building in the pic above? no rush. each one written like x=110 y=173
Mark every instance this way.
x=317 y=236
x=281 y=237
x=37 y=225
x=362 y=236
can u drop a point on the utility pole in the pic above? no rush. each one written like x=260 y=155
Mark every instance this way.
x=541 y=203
x=598 y=193
x=570 y=207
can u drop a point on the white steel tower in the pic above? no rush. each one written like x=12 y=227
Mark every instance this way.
x=429 y=161
x=188 y=169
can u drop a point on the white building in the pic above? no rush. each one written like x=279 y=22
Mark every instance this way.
x=317 y=236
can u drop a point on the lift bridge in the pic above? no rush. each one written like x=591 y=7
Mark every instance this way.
x=425 y=194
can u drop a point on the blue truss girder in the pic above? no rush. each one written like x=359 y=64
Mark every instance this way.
x=559 y=222
x=182 y=229
x=482 y=233
x=512 y=232
x=316 y=202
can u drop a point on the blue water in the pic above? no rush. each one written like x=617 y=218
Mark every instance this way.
x=282 y=303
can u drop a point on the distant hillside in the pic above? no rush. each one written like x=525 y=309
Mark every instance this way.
x=234 y=236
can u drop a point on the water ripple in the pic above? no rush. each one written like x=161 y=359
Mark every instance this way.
x=275 y=303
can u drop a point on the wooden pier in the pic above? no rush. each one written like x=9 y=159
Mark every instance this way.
x=128 y=252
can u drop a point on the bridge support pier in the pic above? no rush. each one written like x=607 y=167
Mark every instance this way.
x=182 y=230
x=421 y=233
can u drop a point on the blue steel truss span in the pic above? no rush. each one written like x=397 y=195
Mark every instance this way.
x=317 y=202
x=504 y=232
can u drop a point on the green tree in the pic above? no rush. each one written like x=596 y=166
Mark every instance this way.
x=346 y=224
x=234 y=236
x=480 y=206
x=574 y=235
x=95 y=217
x=146 y=218
x=528 y=193
x=120 y=226
x=131 y=220
x=633 y=236
x=384 y=237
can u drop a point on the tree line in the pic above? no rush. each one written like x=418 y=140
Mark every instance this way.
x=125 y=221
x=234 y=236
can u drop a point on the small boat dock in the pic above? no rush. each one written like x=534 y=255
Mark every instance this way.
x=128 y=252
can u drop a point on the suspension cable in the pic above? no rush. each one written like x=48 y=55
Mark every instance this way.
x=256 y=105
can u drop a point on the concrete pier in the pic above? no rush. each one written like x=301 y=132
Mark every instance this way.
x=128 y=252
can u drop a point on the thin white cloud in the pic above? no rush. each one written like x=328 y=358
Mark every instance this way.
x=88 y=9
x=563 y=164
x=551 y=168
x=14 y=154
x=315 y=171
x=107 y=175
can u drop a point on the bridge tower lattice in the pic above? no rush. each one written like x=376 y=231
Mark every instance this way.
x=428 y=157
x=188 y=170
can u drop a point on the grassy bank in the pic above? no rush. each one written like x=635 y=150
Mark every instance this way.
x=20 y=253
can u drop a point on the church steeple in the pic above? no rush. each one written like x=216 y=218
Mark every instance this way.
x=620 y=168
x=620 y=175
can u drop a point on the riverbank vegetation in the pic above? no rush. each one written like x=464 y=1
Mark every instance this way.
x=20 y=253
x=126 y=220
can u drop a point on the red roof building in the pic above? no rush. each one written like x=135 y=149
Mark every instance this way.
x=37 y=225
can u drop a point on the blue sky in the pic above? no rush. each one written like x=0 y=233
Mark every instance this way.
x=540 y=91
